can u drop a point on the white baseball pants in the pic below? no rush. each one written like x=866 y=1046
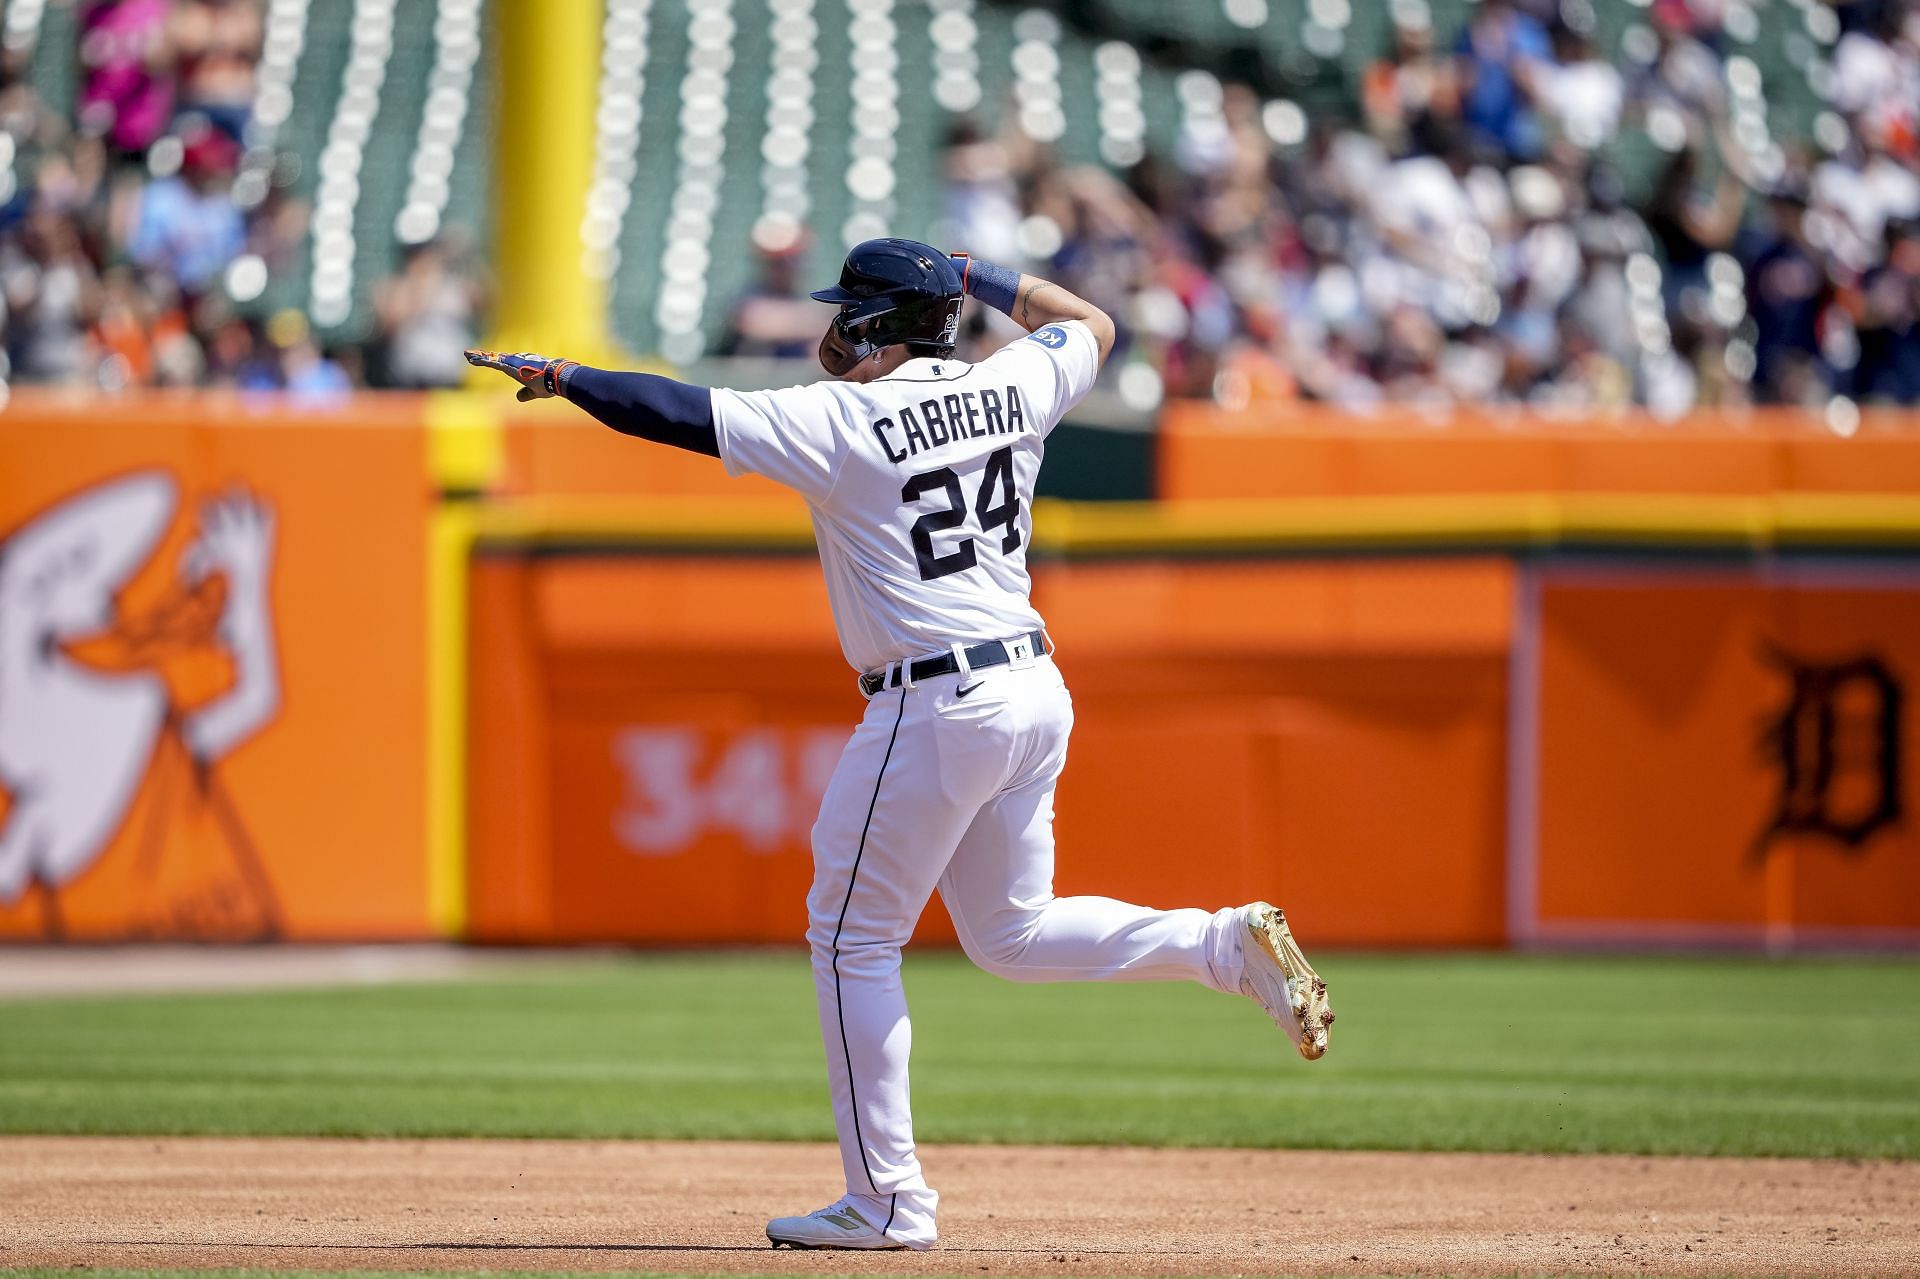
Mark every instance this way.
x=937 y=788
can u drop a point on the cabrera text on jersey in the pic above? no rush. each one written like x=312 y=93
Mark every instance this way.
x=949 y=417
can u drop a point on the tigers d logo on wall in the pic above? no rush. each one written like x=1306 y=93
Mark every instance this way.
x=1835 y=748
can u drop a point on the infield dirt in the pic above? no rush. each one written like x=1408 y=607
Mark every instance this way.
x=543 y=1205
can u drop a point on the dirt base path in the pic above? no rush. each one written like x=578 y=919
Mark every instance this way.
x=526 y=1205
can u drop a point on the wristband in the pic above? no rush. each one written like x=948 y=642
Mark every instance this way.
x=559 y=373
x=997 y=286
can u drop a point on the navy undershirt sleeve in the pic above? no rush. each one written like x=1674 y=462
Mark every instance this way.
x=653 y=408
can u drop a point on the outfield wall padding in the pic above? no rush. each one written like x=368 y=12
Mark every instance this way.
x=1457 y=750
x=213 y=666
x=1209 y=453
x=1717 y=755
x=651 y=735
x=355 y=671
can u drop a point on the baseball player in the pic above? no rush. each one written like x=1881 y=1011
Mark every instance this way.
x=919 y=471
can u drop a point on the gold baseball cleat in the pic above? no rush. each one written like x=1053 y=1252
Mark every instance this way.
x=1278 y=977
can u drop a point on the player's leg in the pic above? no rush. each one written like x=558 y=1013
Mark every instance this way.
x=902 y=794
x=998 y=887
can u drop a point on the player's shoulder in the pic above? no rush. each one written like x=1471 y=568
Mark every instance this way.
x=801 y=398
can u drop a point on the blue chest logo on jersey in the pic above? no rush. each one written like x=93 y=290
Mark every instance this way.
x=944 y=419
x=1053 y=337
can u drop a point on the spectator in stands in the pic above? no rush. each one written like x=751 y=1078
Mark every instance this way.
x=1339 y=376
x=122 y=336
x=981 y=203
x=1888 y=310
x=1787 y=289
x=774 y=317
x=1690 y=226
x=1499 y=52
x=128 y=83
x=1437 y=213
x=1876 y=69
x=1538 y=271
x=239 y=354
x=1105 y=236
x=427 y=315
x=114 y=258
x=186 y=225
x=1597 y=320
x=52 y=293
x=1862 y=188
x=1411 y=85
x=1581 y=92
x=302 y=368
x=1685 y=75
x=217 y=45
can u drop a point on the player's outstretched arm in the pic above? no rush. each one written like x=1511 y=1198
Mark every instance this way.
x=1033 y=302
x=653 y=408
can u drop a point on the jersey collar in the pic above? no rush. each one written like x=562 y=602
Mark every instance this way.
x=927 y=369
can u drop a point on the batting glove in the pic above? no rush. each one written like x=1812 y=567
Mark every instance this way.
x=539 y=377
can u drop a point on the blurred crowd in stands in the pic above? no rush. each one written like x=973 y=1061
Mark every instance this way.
x=1459 y=235
x=1462 y=239
x=136 y=224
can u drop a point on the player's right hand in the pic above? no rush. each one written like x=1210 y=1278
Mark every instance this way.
x=539 y=377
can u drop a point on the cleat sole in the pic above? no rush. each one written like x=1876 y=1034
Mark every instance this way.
x=799 y=1246
x=1307 y=991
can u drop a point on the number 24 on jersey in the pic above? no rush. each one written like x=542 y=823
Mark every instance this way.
x=996 y=505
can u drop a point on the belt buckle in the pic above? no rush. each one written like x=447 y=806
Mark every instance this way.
x=1020 y=652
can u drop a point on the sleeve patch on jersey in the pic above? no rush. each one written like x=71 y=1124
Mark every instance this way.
x=1053 y=337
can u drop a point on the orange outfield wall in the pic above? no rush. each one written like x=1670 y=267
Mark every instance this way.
x=221 y=716
x=212 y=669
x=1207 y=452
x=648 y=753
x=1459 y=748
x=1742 y=778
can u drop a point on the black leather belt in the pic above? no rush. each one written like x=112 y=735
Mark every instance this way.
x=991 y=653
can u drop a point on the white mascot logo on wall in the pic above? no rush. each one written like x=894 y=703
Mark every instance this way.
x=113 y=726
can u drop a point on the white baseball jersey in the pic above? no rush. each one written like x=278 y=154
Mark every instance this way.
x=921 y=486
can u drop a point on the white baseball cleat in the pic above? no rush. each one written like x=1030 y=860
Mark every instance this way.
x=1278 y=977
x=837 y=1225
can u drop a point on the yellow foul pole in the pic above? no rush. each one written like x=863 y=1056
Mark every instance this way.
x=549 y=76
x=548 y=300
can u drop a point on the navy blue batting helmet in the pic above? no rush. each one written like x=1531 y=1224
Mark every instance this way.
x=892 y=292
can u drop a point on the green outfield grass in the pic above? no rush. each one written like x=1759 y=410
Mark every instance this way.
x=1445 y=1052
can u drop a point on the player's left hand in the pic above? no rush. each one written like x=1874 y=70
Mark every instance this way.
x=539 y=377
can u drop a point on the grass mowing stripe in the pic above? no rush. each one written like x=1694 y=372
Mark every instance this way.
x=1432 y=1052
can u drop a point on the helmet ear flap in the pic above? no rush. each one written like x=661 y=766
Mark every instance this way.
x=840 y=351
